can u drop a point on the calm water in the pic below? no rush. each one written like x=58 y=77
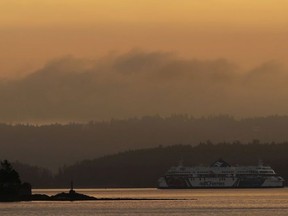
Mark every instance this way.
x=198 y=202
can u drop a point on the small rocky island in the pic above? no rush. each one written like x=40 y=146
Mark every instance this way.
x=72 y=195
x=12 y=189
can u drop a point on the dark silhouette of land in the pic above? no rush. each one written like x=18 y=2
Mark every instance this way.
x=12 y=190
x=54 y=145
x=11 y=187
x=142 y=168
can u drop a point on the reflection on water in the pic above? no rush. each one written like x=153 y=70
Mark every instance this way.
x=196 y=202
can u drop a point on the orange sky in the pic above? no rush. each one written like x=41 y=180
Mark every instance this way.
x=70 y=12
x=33 y=32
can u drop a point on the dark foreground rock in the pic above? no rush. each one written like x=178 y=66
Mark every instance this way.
x=74 y=196
x=71 y=197
x=62 y=197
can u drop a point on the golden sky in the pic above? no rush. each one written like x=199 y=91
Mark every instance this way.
x=33 y=32
x=70 y=12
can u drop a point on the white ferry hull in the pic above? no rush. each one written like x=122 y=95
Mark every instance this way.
x=186 y=182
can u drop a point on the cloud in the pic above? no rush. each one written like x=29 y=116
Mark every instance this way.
x=140 y=83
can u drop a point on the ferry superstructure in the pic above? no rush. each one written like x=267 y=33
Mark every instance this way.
x=221 y=175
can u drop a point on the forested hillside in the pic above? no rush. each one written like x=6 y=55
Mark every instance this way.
x=55 y=145
x=142 y=168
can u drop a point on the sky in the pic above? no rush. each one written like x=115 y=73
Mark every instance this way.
x=244 y=36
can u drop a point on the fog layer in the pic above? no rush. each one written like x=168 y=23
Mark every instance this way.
x=140 y=83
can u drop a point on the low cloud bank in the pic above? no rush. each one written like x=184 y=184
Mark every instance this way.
x=140 y=83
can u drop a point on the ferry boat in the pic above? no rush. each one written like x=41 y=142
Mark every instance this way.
x=221 y=175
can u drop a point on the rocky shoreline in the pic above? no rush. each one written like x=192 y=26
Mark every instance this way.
x=74 y=196
x=61 y=197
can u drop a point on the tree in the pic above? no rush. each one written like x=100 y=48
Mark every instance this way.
x=8 y=174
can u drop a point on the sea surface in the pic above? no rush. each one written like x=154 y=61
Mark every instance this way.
x=198 y=202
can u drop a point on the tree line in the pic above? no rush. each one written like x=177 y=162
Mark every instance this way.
x=54 y=145
x=143 y=167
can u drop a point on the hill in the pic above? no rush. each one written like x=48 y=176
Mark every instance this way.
x=142 y=168
x=55 y=145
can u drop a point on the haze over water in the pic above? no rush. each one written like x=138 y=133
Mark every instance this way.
x=259 y=202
